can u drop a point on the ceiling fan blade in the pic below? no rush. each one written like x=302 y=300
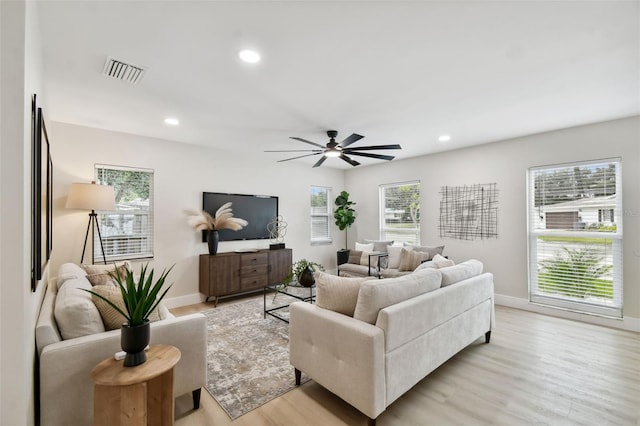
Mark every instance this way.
x=300 y=156
x=378 y=156
x=373 y=147
x=320 y=161
x=349 y=160
x=297 y=150
x=351 y=139
x=309 y=142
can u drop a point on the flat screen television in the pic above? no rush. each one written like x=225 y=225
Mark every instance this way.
x=258 y=210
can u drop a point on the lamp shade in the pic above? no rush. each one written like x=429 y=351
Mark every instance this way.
x=89 y=196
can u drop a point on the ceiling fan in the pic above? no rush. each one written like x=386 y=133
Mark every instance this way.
x=334 y=149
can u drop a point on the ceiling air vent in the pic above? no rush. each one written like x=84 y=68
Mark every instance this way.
x=123 y=71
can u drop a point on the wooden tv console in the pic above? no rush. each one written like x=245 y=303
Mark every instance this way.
x=224 y=274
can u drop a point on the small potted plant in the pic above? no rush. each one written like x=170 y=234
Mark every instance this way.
x=302 y=270
x=223 y=219
x=140 y=299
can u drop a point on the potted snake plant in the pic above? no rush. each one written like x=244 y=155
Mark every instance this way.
x=140 y=298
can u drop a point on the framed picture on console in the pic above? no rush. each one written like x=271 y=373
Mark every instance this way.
x=42 y=196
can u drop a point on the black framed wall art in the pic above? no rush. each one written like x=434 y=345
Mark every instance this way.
x=42 y=195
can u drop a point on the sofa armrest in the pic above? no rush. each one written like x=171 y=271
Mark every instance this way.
x=66 y=390
x=343 y=354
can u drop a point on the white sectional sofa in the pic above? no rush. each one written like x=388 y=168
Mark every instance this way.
x=401 y=330
x=69 y=350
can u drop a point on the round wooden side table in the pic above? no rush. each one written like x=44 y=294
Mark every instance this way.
x=140 y=395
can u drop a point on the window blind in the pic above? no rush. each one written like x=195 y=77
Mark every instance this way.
x=127 y=231
x=400 y=212
x=575 y=236
x=320 y=214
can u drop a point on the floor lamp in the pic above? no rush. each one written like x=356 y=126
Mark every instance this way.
x=89 y=196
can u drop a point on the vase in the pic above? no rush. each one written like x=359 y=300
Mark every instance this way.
x=305 y=278
x=212 y=240
x=133 y=341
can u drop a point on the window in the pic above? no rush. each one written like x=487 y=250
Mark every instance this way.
x=575 y=236
x=127 y=232
x=400 y=212
x=320 y=214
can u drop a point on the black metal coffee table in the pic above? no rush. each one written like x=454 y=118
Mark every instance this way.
x=295 y=290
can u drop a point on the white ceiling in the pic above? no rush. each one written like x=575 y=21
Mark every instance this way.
x=393 y=71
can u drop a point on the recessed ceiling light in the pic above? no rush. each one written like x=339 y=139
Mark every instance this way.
x=171 y=121
x=249 y=56
x=444 y=138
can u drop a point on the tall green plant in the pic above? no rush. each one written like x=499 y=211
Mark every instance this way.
x=577 y=273
x=344 y=214
x=141 y=297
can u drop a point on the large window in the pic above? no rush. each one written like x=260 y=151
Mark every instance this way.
x=575 y=236
x=400 y=212
x=127 y=232
x=320 y=215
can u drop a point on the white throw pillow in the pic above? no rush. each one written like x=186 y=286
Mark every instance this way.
x=441 y=261
x=76 y=314
x=461 y=271
x=364 y=247
x=395 y=253
x=378 y=294
x=69 y=271
x=338 y=294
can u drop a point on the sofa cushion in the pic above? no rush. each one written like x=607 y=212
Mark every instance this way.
x=69 y=271
x=75 y=313
x=379 y=245
x=410 y=259
x=432 y=250
x=353 y=270
x=461 y=271
x=378 y=294
x=338 y=294
x=111 y=318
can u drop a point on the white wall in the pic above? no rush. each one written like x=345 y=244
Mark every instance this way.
x=506 y=164
x=20 y=76
x=181 y=173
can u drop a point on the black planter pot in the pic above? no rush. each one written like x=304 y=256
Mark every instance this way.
x=212 y=240
x=133 y=341
x=305 y=278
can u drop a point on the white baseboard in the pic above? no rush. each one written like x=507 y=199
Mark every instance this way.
x=189 y=299
x=626 y=323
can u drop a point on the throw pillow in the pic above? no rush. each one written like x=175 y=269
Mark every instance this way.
x=379 y=245
x=69 y=271
x=75 y=313
x=102 y=279
x=375 y=295
x=338 y=294
x=410 y=259
x=432 y=250
x=111 y=318
x=105 y=269
x=355 y=257
x=442 y=262
x=424 y=265
x=364 y=247
x=394 y=256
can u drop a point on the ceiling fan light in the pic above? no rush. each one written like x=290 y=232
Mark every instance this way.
x=332 y=153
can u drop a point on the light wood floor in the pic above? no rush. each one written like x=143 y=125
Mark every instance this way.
x=536 y=370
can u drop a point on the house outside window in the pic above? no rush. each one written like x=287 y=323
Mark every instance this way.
x=575 y=236
x=320 y=215
x=400 y=212
x=127 y=232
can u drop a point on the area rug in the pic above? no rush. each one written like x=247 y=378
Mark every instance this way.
x=247 y=355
